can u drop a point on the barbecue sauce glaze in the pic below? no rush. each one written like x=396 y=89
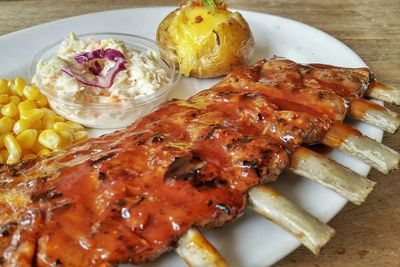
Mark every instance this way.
x=130 y=195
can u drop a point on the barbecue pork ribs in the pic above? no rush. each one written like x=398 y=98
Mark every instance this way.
x=130 y=195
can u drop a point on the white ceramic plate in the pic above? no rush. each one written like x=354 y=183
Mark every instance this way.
x=252 y=240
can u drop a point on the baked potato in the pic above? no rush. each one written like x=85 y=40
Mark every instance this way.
x=206 y=39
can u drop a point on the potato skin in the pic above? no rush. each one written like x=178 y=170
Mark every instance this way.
x=232 y=46
x=164 y=41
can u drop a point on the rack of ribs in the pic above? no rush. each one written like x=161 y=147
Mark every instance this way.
x=132 y=195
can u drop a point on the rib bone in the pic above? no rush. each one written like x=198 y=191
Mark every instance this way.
x=334 y=176
x=385 y=93
x=314 y=234
x=374 y=114
x=194 y=248
x=310 y=231
x=351 y=142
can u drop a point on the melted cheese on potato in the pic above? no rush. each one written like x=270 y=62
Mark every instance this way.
x=191 y=30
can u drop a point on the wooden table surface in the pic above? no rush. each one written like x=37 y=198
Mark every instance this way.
x=367 y=235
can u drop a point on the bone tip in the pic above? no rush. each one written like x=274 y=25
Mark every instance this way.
x=316 y=250
x=392 y=168
x=396 y=165
x=362 y=196
x=195 y=250
x=385 y=92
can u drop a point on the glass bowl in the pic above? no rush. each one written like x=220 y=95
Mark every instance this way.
x=109 y=115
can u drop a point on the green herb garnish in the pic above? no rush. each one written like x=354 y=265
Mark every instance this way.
x=211 y=5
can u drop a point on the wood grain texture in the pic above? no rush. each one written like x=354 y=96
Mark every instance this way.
x=368 y=235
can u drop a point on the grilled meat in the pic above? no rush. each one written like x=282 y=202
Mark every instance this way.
x=348 y=83
x=130 y=195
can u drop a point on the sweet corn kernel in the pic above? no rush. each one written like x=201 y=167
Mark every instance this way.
x=1 y=159
x=80 y=136
x=19 y=84
x=20 y=91
x=48 y=122
x=48 y=112
x=41 y=101
x=2 y=138
x=12 y=159
x=13 y=148
x=67 y=138
x=75 y=126
x=31 y=92
x=26 y=105
x=62 y=126
x=11 y=86
x=6 y=124
x=9 y=110
x=38 y=125
x=11 y=83
x=29 y=156
x=50 y=139
x=32 y=115
x=21 y=125
x=43 y=152
x=27 y=138
x=59 y=118
x=15 y=99
x=3 y=86
x=4 y=99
